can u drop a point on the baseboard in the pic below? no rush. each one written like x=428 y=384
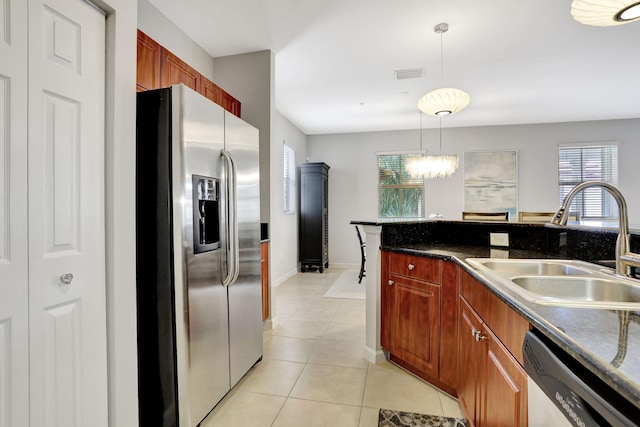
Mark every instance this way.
x=277 y=282
x=374 y=356
x=346 y=266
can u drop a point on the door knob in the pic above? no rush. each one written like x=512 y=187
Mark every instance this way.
x=390 y=282
x=411 y=266
x=66 y=278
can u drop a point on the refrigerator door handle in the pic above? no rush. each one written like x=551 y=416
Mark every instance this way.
x=231 y=224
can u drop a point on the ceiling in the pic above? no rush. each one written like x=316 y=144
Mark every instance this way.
x=524 y=61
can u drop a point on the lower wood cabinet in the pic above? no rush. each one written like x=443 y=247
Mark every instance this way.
x=415 y=323
x=492 y=385
x=412 y=318
x=440 y=323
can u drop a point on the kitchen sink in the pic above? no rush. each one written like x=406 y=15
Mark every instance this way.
x=535 y=267
x=562 y=282
x=586 y=289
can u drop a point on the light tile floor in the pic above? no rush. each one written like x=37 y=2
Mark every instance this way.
x=313 y=373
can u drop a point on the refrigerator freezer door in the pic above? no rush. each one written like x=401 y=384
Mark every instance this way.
x=203 y=356
x=245 y=294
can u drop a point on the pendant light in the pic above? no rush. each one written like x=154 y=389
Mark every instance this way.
x=446 y=100
x=604 y=13
x=432 y=166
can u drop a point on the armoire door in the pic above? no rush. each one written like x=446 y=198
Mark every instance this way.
x=14 y=290
x=67 y=306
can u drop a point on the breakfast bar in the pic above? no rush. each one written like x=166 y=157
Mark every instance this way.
x=604 y=341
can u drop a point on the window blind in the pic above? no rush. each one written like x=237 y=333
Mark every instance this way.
x=289 y=178
x=582 y=163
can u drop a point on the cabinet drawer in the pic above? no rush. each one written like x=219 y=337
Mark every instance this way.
x=416 y=267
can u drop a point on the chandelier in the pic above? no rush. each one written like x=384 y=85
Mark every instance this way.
x=604 y=13
x=431 y=166
x=446 y=100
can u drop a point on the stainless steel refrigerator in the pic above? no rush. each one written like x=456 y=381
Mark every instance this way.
x=198 y=254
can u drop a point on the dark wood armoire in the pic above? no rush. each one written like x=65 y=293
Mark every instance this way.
x=313 y=230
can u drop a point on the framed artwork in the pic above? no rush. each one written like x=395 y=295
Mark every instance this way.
x=491 y=181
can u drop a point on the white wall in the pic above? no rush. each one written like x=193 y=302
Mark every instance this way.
x=120 y=157
x=157 y=26
x=353 y=173
x=283 y=227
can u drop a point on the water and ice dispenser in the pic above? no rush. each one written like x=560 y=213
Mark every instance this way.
x=206 y=214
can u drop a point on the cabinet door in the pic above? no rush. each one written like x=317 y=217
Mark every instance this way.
x=506 y=387
x=210 y=90
x=415 y=323
x=173 y=70
x=229 y=103
x=471 y=354
x=148 y=64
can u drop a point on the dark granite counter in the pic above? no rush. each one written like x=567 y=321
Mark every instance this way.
x=606 y=342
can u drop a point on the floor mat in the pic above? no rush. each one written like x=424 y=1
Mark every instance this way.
x=390 y=418
x=347 y=286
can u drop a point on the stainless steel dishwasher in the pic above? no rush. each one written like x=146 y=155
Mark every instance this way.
x=562 y=392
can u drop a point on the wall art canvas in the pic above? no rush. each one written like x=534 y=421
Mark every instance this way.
x=491 y=181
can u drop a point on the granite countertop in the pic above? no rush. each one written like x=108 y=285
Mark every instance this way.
x=591 y=336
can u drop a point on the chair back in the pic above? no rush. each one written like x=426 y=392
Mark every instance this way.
x=362 y=243
x=485 y=216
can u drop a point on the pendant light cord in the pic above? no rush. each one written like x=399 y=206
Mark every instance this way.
x=440 y=118
x=421 y=151
x=441 y=60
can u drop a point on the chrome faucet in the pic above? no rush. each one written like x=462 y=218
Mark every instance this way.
x=625 y=259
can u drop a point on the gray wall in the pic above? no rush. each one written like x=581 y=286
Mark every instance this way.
x=250 y=78
x=161 y=29
x=353 y=173
x=284 y=226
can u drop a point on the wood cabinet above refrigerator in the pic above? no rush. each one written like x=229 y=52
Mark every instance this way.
x=157 y=67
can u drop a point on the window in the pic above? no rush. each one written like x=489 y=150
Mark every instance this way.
x=289 y=175
x=399 y=195
x=594 y=162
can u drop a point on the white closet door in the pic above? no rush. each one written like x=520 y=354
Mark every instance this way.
x=66 y=214
x=14 y=332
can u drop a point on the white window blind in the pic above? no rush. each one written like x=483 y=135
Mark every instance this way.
x=594 y=162
x=289 y=175
x=399 y=195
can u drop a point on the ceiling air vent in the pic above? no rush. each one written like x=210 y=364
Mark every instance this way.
x=414 y=73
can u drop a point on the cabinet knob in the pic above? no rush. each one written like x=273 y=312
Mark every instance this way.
x=411 y=266
x=390 y=282
x=478 y=335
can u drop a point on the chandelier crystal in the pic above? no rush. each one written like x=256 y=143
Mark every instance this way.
x=429 y=167
x=604 y=13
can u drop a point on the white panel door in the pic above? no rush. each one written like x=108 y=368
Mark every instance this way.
x=14 y=318
x=67 y=310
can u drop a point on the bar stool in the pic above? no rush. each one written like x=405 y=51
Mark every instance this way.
x=363 y=254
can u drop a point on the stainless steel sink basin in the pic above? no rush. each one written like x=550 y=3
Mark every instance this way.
x=562 y=282
x=535 y=267
x=587 y=289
